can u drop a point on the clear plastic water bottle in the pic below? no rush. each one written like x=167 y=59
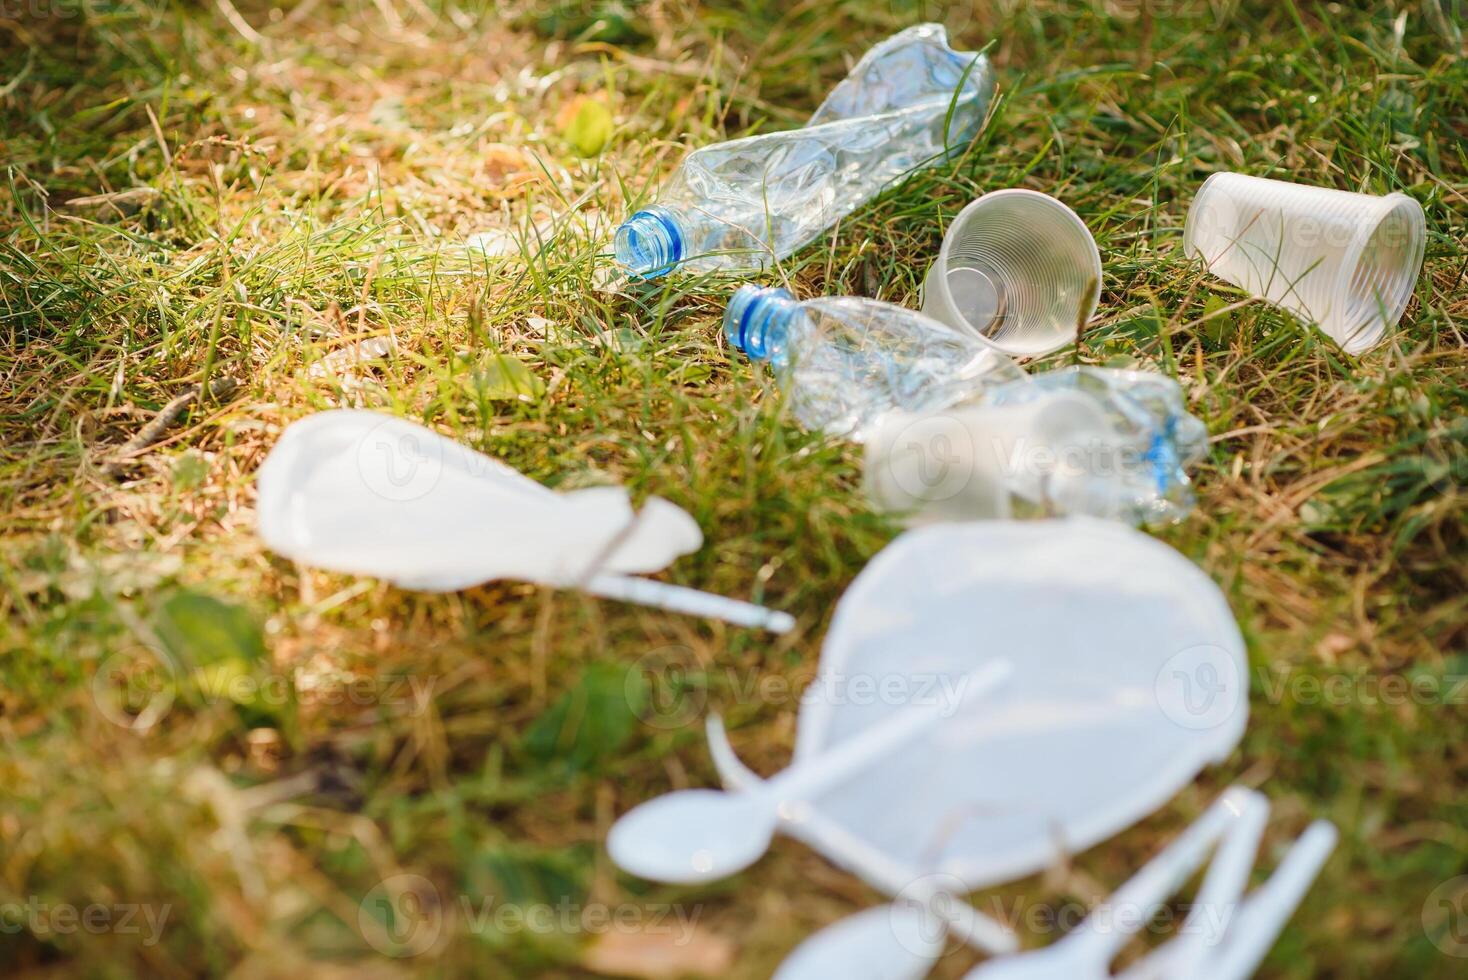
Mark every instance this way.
x=739 y=205
x=844 y=361
x=1092 y=441
x=1138 y=472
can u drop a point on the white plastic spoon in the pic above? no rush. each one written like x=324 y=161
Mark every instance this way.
x=699 y=835
x=1086 y=954
x=903 y=939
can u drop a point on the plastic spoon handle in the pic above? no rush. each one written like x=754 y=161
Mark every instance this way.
x=851 y=852
x=677 y=598
x=1264 y=915
x=808 y=780
x=1102 y=936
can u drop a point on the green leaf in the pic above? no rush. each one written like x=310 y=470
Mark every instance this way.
x=519 y=874
x=1218 y=328
x=504 y=377
x=199 y=630
x=190 y=471
x=226 y=680
x=1138 y=329
x=592 y=721
x=590 y=129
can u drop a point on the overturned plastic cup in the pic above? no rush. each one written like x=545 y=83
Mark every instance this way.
x=1019 y=269
x=1347 y=262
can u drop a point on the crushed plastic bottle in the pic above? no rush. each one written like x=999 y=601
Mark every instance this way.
x=737 y=206
x=844 y=362
x=1079 y=440
x=1138 y=472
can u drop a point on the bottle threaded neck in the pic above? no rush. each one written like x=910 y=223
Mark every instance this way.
x=650 y=243
x=758 y=320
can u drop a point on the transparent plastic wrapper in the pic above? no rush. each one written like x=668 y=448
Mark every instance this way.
x=1080 y=440
x=1347 y=262
x=844 y=362
x=740 y=205
x=1019 y=269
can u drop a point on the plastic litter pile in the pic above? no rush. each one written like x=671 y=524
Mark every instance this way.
x=1052 y=681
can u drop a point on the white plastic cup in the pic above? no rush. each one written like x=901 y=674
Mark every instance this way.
x=1345 y=261
x=1017 y=268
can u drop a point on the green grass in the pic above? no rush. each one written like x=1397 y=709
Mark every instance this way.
x=311 y=187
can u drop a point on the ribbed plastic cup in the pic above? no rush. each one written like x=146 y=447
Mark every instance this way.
x=1017 y=268
x=1345 y=261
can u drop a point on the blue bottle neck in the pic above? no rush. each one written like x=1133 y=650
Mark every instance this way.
x=1167 y=468
x=758 y=322
x=651 y=242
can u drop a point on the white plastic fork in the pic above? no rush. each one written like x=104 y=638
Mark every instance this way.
x=1258 y=920
x=1086 y=953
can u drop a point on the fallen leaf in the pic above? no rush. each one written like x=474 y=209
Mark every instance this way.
x=495 y=243
x=591 y=721
x=621 y=340
x=678 y=949
x=352 y=355
x=125 y=202
x=589 y=128
x=1218 y=327
x=201 y=630
x=504 y=377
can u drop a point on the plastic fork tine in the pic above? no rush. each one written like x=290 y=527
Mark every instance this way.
x=1263 y=915
x=1254 y=926
x=1160 y=878
x=1218 y=897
